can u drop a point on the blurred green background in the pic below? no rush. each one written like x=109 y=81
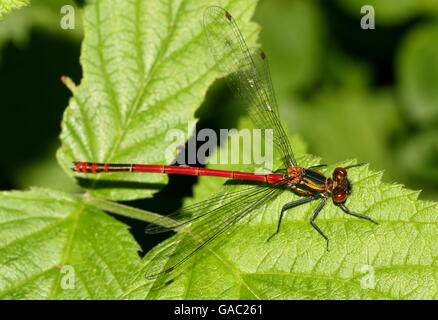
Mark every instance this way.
x=348 y=92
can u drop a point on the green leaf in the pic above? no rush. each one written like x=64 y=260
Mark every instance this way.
x=396 y=259
x=146 y=71
x=417 y=71
x=6 y=6
x=46 y=236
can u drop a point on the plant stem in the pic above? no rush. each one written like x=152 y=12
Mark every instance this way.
x=128 y=211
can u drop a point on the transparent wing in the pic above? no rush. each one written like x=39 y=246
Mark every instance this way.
x=209 y=219
x=189 y=214
x=249 y=76
x=261 y=62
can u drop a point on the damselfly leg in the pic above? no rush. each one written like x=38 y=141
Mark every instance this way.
x=355 y=214
x=313 y=217
x=286 y=207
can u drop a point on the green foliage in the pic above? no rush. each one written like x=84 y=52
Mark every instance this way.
x=331 y=74
x=42 y=231
x=295 y=57
x=417 y=67
x=7 y=5
x=418 y=72
x=146 y=71
x=45 y=15
x=379 y=110
x=394 y=260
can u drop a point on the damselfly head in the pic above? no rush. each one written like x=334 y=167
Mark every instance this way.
x=339 y=174
x=342 y=185
x=339 y=195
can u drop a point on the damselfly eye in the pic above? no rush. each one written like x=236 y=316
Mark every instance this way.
x=339 y=173
x=339 y=195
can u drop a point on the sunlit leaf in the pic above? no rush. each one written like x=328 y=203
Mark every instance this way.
x=146 y=71
x=6 y=6
x=393 y=260
x=54 y=246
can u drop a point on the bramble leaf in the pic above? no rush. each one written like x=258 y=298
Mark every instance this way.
x=6 y=6
x=54 y=246
x=146 y=71
x=396 y=259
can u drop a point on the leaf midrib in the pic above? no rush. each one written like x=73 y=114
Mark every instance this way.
x=67 y=248
x=143 y=87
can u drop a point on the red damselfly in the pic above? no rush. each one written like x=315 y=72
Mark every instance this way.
x=249 y=77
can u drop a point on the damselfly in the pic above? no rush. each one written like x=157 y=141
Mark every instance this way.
x=249 y=77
